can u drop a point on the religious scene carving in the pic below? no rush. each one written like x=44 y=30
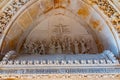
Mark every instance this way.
x=7 y=14
x=55 y=37
x=56 y=45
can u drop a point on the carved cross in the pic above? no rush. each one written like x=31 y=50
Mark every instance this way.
x=61 y=29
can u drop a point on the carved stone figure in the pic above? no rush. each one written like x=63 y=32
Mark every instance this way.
x=69 y=46
x=26 y=48
x=76 y=47
x=83 y=45
x=59 y=49
x=52 y=48
x=34 y=47
x=42 y=48
x=88 y=45
x=63 y=47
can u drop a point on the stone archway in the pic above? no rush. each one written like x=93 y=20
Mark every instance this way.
x=107 y=40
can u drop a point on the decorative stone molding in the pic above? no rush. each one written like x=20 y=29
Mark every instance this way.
x=59 y=62
x=117 y=3
x=8 y=55
x=111 y=56
x=77 y=62
x=9 y=12
x=110 y=12
x=61 y=70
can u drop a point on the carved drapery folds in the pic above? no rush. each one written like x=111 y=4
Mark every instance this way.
x=63 y=45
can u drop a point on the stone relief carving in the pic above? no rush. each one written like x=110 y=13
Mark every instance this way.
x=56 y=45
x=61 y=29
x=8 y=55
x=15 y=5
x=46 y=5
x=9 y=12
x=82 y=42
x=76 y=44
x=110 y=11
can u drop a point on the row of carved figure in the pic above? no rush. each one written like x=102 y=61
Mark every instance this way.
x=65 y=45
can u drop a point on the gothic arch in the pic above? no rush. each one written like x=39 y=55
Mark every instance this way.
x=83 y=13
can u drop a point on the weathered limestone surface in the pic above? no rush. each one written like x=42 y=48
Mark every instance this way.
x=62 y=77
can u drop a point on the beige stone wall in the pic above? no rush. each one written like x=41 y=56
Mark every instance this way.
x=64 y=77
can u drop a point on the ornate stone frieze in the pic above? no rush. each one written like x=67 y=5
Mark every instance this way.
x=117 y=3
x=9 y=12
x=60 y=44
x=106 y=58
x=110 y=12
